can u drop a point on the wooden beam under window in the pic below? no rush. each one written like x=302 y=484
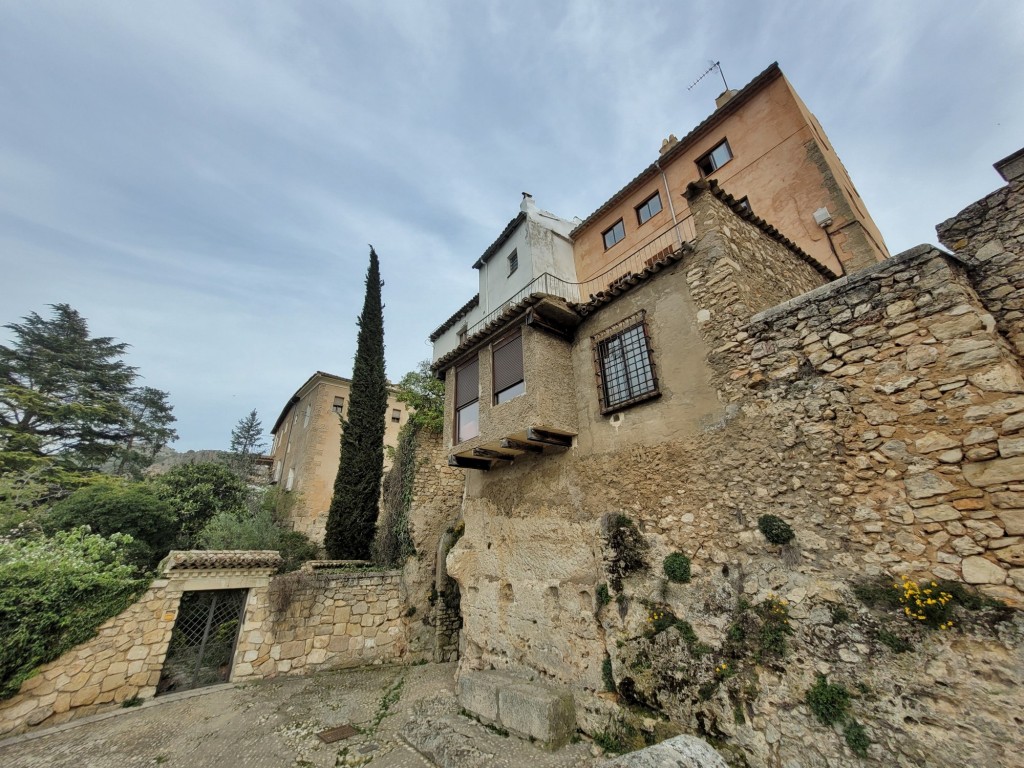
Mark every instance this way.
x=485 y=453
x=548 y=438
x=518 y=445
x=465 y=462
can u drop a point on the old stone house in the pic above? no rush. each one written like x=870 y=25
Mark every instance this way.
x=307 y=446
x=729 y=376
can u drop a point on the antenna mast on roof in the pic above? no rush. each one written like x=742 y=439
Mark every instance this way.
x=714 y=65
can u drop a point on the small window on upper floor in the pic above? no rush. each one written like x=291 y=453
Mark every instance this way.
x=396 y=415
x=290 y=482
x=614 y=234
x=648 y=208
x=513 y=262
x=462 y=334
x=467 y=401
x=715 y=159
x=339 y=405
x=305 y=419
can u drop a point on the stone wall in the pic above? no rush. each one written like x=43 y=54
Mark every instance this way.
x=309 y=620
x=989 y=237
x=292 y=623
x=878 y=415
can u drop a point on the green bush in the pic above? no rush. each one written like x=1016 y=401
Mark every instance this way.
x=606 y=674
x=775 y=529
x=229 y=530
x=856 y=738
x=894 y=642
x=199 y=491
x=677 y=568
x=111 y=507
x=602 y=595
x=829 y=703
x=54 y=593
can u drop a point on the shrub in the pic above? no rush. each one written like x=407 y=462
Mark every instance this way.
x=894 y=642
x=677 y=568
x=602 y=595
x=628 y=549
x=229 y=530
x=606 y=674
x=775 y=529
x=54 y=593
x=111 y=507
x=199 y=491
x=856 y=738
x=829 y=703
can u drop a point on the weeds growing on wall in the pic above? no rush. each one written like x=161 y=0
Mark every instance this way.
x=628 y=549
x=677 y=568
x=392 y=543
x=775 y=529
x=830 y=704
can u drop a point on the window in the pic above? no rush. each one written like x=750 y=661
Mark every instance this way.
x=744 y=203
x=305 y=419
x=622 y=358
x=648 y=208
x=513 y=262
x=339 y=405
x=462 y=334
x=507 y=368
x=715 y=159
x=396 y=415
x=289 y=484
x=467 y=401
x=614 y=234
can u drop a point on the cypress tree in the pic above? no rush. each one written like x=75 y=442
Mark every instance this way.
x=353 y=513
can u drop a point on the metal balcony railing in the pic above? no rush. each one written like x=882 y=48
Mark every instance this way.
x=661 y=245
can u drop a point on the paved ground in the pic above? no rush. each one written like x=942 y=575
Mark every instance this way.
x=274 y=724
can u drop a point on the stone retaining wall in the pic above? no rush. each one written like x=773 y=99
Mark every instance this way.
x=292 y=623
x=307 y=620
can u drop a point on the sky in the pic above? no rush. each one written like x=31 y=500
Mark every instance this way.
x=202 y=180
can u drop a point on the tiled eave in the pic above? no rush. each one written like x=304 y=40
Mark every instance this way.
x=459 y=314
x=500 y=321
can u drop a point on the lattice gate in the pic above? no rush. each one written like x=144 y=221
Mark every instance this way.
x=203 y=639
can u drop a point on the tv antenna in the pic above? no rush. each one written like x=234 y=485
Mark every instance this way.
x=714 y=65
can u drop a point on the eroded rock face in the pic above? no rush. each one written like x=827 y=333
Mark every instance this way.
x=677 y=752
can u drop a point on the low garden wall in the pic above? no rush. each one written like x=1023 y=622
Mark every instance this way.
x=315 y=618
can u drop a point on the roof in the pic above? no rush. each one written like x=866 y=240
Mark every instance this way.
x=506 y=233
x=769 y=75
x=459 y=314
x=298 y=396
x=211 y=559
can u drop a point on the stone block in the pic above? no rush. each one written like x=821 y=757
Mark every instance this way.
x=537 y=711
x=293 y=649
x=1012 y=520
x=978 y=570
x=927 y=484
x=994 y=472
x=478 y=693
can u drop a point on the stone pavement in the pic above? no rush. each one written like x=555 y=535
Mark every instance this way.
x=274 y=724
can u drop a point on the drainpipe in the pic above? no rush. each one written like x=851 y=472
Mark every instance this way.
x=671 y=206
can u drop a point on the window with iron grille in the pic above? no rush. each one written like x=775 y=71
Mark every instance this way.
x=467 y=401
x=507 y=368
x=648 y=208
x=623 y=364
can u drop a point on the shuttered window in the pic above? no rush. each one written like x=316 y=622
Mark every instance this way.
x=508 y=368
x=467 y=401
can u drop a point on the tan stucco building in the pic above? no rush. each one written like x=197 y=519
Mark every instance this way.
x=763 y=146
x=307 y=446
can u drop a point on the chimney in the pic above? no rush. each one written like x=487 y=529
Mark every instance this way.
x=724 y=97
x=527 y=205
x=668 y=143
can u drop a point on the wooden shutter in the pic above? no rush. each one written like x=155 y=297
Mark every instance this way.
x=508 y=362
x=467 y=383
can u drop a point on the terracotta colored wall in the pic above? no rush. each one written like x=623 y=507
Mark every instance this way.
x=778 y=163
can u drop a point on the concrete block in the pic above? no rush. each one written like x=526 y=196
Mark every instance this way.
x=536 y=711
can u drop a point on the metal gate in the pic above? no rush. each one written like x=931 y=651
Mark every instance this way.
x=203 y=640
